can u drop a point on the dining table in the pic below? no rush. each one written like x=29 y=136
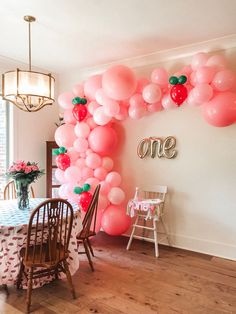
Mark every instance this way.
x=13 y=235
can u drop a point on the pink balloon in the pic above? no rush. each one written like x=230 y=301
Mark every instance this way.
x=107 y=163
x=93 y=182
x=80 y=145
x=100 y=117
x=82 y=129
x=119 y=82
x=167 y=102
x=65 y=136
x=141 y=83
x=91 y=123
x=105 y=187
x=65 y=100
x=113 y=178
x=199 y=60
x=103 y=202
x=160 y=76
x=155 y=107
x=73 y=154
x=80 y=163
x=202 y=93
x=187 y=69
x=193 y=78
x=111 y=108
x=62 y=191
x=69 y=191
x=204 y=74
x=115 y=221
x=78 y=90
x=100 y=173
x=224 y=80
x=152 y=93
x=93 y=161
x=116 y=195
x=88 y=151
x=101 y=97
x=92 y=84
x=137 y=101
x=191 y=100
x=69 y=117
x=72 y=174
x=123 y=113
x=92 y=106
x=87 y=173
x=137 y=112
x=59 y=174
x=217 y=61
x=221 y=110
x=103 y=140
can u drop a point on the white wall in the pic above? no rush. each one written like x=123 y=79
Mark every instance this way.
x=201 y=205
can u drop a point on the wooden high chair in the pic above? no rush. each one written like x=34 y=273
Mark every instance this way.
x=154 y=192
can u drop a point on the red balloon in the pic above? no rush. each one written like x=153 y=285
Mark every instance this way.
x=79 y=112
x=63 y=161
x=84 y=200
x=178 y=93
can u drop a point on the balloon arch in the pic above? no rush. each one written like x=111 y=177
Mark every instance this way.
x=87 y=138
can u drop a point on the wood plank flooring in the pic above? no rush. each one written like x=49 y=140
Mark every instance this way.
x=134 y=282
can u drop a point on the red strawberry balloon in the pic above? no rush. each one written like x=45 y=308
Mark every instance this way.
x=79 y=111
x=84 y=200
x=178 y=92
x=62 y=159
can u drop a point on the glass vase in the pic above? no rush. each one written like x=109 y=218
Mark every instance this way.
x=22 y=193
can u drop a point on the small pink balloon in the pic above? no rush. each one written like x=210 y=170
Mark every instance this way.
x=62 y=191
x=100 y=117
x=78 y=90
x=80 y=163
x=91 y=86
x=80 y=145
x=116 y=196
x=119 y=82
x=65 y=136
x=202 y=93
x=101 y=97
x=93 y=161
x=137 y=101
x=221 y=110
x=224 y=80
x=93 y=182
x=72 y=174
x=88 y=151
x=91 y=123
x=160 y=76
x=105 y=187
x=167 y=102
x=100 y=173
x=92 y=106
x=137 y=112
x=191 y=100
x=103 y=202
x=73 y=154
x=69 y=117
x=111 y=108
x=87 y=173
x=115 y=221
x=65 y=100
x=199 y=60
x=151 y=93
x=123 y=113
x=217 y=61
x=82 y=129
x=155 y=107
x=205 y=74
x=60 y=176
x=103 y=140
x=113 y=178
x=107 y=163
x=141 y=83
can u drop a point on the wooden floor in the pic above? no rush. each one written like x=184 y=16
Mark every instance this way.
x=134 y=282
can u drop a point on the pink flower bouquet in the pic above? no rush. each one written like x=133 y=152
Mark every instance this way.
x=27 y=172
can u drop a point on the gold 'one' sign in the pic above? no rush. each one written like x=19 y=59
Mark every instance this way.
x=156 y=147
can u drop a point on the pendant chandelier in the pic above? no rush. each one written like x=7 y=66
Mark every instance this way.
x=28 y=90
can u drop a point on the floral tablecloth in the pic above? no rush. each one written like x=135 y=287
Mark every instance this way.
x=13 y=232
x=152 y=207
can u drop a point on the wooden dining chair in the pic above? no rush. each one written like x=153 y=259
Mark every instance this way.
x=10 y=191
x=48 y=237
x=89 y=224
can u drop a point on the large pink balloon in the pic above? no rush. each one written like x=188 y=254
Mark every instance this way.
x=102 y=140
x=115 y=221
x=65 y=135
x=65 y=100
x=202 y=93
x=221 y=110
x=224 y=80
x=91 y=85
x=160 y=76
x=205 y=74
x=152 y=93
x=199 y=60
x=119 y=82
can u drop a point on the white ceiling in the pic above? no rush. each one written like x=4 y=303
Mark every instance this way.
x=85 y=33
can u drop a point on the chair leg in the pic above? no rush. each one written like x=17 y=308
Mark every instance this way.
x=165 y=230
x=88 y=254
x=155 y=238
x=6 y=289
x=19 y=277
x=132 y=234
x=69 y=279
x=29 y=290
x=90 y=246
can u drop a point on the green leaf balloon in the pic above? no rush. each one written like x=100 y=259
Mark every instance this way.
x=182 y=79
x=86 y=187
x=78 y=190
x=173 y=80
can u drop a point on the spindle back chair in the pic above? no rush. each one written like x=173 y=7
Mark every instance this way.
x=10 y=191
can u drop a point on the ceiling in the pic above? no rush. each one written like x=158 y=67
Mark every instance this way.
x=84 y=33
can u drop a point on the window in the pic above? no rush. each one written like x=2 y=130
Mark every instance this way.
x=4 y=144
